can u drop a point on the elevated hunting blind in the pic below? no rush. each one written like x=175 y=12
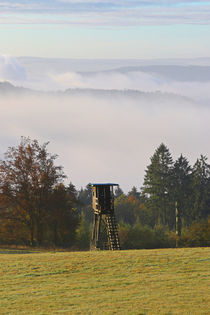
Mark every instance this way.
x=105 y=233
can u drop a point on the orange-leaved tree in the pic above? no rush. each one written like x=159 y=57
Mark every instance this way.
x=28 y=176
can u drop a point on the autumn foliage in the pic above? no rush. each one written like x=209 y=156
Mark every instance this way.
x=36 y=208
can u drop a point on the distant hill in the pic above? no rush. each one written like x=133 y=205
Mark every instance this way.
x=130 y=94
x=170 y=72
x=8 y=89
x=37 y=65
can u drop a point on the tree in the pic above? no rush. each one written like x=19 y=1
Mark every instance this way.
x=198 y=234
x=118 y=192
x=134 y=192
x=157 y=186
x=83 y=234
x=125 y=210
x=201 y=189
x=62 y=219
x=28 y=176
x=85 y=195
x=84 y=206
x=182 y=187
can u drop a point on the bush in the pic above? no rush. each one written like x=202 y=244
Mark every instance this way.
x=124 y=230
x=198 y=235
x=139 y=237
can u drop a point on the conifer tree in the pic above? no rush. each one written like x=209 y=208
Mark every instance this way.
x=134 y=192
x=182 y=188
x=201 y=189
x=157 y=183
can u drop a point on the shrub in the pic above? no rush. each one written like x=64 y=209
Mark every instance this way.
x=139 y=237
x=198 y=235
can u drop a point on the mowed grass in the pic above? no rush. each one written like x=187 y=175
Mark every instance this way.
x=163 y=281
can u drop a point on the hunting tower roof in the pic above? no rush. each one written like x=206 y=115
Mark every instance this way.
x=103 y=184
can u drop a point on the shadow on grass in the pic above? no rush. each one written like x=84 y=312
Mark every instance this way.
x=18 y=251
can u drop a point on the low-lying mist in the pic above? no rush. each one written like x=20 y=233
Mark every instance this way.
x=107 y=126
x=190 y=78
x=101 y=139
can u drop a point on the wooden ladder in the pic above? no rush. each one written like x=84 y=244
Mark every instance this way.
x=112 y=232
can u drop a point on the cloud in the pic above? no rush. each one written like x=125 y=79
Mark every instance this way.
x=106 y=80
x=43 y=75
x=104 y=13
x=133 y=80
x=10 y=69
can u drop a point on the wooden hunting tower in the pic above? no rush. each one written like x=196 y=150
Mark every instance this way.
x=105 y=233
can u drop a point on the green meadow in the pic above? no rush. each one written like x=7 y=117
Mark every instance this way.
x=161 y=281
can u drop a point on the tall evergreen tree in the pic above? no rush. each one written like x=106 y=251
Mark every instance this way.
x=201 y=189
x=85 y=195
x=157 y=184
x=182 y=188
x=134 y=192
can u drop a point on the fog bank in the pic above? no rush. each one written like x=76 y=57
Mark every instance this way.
x=106 y=139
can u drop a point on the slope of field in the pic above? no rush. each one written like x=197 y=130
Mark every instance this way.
x=166 y=281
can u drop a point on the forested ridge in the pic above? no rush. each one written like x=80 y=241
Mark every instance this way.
x=38 y=209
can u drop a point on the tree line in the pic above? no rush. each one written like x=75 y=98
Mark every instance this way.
x=38 y=209
x=147 y=217
x=167 y=185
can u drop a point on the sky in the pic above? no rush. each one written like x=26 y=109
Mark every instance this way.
x=85 y=43
x=105 y=29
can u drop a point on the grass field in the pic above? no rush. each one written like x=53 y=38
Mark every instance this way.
x=165 y=281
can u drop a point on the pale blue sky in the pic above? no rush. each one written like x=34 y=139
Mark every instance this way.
x=105 y=29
